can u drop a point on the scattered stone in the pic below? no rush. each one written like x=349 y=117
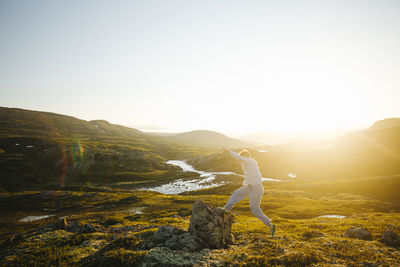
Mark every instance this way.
x=174 y=238
x=96 y=244
x=390 y=238
x=211 y=225
x=61 y=223
x=12 y=240
x=111 y=221
x=73 y=227
x=358 y=233
x=312 y=234
x=88 y=228
x=76 y=227
x=161 y=256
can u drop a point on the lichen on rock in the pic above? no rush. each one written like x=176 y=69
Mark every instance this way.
x=211 y=225
x=174 y=238
x=358 y=233
x=162 y=256
x=390 y=238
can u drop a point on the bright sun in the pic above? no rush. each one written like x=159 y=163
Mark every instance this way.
x=317 y=99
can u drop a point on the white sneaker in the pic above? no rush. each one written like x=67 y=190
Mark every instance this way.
x=222 y=209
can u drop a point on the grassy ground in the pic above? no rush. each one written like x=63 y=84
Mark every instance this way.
x=302 y=237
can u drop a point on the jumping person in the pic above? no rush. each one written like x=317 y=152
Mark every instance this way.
x=252 y=187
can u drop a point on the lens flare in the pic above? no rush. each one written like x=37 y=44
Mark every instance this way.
x=67 y=154
x=77 y=151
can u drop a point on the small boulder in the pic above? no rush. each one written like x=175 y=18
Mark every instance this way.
x=161 y=256
x=390 y=238
x=12 y=240
x=358 y=233
x=211 y=225
x=61 y=223
x=312 y=234
x=73 y=227
x=87 y=228
x=76 y=227
x=174 y=238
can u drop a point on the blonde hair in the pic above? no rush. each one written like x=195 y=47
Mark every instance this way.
x=245 y=153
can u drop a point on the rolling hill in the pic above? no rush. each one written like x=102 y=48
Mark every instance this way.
x=43 y=149
x=372 y=152
x=209 y=139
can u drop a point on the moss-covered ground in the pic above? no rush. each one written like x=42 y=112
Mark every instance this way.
x=125 y=218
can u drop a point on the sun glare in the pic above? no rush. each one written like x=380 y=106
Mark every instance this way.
x=318 y=99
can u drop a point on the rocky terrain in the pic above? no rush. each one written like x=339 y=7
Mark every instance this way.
x=139 y=228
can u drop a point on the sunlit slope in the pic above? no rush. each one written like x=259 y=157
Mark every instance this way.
x=371 y=152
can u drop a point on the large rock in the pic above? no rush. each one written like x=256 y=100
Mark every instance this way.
x=161 y=256
x=211 y=225
x=174 y=238
x=358 y=233
x=389 y=237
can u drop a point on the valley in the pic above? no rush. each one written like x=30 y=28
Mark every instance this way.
x=73 y=193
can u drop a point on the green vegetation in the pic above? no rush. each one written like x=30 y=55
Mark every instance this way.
x=302 y=238
x=45 y=150
x=57 y=165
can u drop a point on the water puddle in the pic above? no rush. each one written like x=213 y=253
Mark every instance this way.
x=271 y=179
x=35 y=218
x=332 y=216
x=135 y=210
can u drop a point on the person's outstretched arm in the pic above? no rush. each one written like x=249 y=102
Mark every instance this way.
x=237 y=156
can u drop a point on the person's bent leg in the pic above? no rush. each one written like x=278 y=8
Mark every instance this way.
x=255 y=194
x=237 y=195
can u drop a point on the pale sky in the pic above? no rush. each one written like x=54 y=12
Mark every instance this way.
x=230 y=66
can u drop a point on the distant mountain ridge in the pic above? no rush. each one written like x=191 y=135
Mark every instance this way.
x=386 y=123
x=208 y=138
x=372 y=152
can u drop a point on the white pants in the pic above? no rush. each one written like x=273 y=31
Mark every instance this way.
x=255 y=193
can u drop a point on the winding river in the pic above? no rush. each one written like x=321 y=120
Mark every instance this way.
x=206 y=180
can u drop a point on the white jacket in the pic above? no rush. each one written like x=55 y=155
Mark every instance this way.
x=250 y=168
